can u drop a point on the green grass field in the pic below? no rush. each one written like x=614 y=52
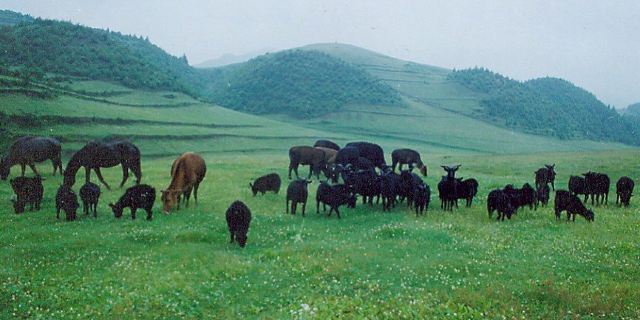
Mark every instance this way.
x=369 y=264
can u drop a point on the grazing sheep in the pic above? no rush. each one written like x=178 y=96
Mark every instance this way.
x=29 y=191
x=238 y=219
x=90 y=194
x=542 y=195
x=546 y=175
x=597 y=187
x=421 y=198
x=572 y=204
x=501 y=201
x=577 y=186
x=269 y=182
x=334 y=196
x=66 y=200
x=297 y=193
x=140 y=196
x=624 y=190
x=327 y=144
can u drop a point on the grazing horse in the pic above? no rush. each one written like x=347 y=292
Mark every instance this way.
x=546 y=175
x=29 y=150
x=409 y=157
x=104 y=154
x=186 y=174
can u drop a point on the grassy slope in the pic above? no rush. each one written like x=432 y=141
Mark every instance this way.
x=369 y=263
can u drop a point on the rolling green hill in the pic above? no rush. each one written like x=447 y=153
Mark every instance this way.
x=632 y=109
x=8 y=17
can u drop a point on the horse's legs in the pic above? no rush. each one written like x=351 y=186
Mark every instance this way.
x=99 y=174
x=23 y=166
x=137 y=171
x=33 y=168
x=195 y=193
x=133 y=213
x=125 y=173
x=187 y=195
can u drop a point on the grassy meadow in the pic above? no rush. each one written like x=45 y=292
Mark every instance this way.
x=369 y=264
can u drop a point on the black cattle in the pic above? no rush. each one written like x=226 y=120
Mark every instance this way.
x=527 y=197
x=347 y=155
x=467 y=189
x=447 y=192
x=624 y=190
x=546 y=175
x=389 y=184
x=371 y=151
x=90 y=195
x=409 y=157
x=297 y=192
x=364 y=164
x=327 y=144
x=269 y=182
x=140 y=196
x=29 y=191
x=238 y=219
x=542 y=195
x=577 y=186
x=597 y=187
x=367 y=184
x=66 y=200
x=501 y=201
x=334 y=196
x=572 y=204
x=421 y=198
x=305 y=155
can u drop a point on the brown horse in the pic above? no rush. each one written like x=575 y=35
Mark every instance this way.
x=104 y=154
x=29 y=150
x=186 y=174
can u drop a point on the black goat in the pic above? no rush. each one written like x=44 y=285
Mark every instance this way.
x=297 y=192
x=566 y=201
x=238 y=219
x=624 y=191
x=90 y=194
x=334 y=196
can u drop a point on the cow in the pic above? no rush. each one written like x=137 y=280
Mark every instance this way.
x=305 y=155
x=297 y=192
x=327 y=144
x=409 y=157
x=371 y=151
x=597 y=187
x=334 y=196
x=187 y=172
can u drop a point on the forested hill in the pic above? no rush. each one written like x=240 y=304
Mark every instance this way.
x=633 y=110
x=69 y=49
x=8 y=17
x=299 y=83
x=547 y=106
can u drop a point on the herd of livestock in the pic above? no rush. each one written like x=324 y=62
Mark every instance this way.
x=358 y=169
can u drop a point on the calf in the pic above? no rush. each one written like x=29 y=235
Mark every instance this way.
x=501 y=201
x=238 y=219
x=542 y=194
x=334 y=196
x=572 y=204
x=624 y=190
x=140 y=196
x=90 y=194
x=269 y=182
x=297 y=192
x=66 y=200
x=29 y=191
x=421 y=198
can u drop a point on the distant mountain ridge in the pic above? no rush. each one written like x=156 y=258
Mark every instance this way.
x=227 y=59
x=8 y=17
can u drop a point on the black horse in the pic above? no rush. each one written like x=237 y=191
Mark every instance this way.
x=29 y=150
x=104 y=154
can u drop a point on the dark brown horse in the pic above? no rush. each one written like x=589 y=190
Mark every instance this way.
x=29 y=150
x=104 y=154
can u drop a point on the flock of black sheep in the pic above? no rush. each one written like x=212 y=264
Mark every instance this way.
x=357 y=170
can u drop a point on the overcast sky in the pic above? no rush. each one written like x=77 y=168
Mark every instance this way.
x=595 y=44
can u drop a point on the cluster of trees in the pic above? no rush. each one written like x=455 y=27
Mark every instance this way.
x=69 y=49
x=298 y=83
x=547 y=106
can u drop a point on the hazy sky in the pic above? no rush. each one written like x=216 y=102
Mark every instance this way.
x=595 y=44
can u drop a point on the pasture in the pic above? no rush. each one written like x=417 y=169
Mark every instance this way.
x=368 y=264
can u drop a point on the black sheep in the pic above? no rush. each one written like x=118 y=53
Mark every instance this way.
x=29 y=191
x=501 y=201
x=542 y=194
x=572 y=204
x=327 y=144
x=297 y=192
x=238 y=219
x=66 y=200
x=624 y=190
x=140 y=196
x=421 y=198
x=577 y=186
x=389 y=184
x=269 y=182
x=334 y=196
x=90 y=194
